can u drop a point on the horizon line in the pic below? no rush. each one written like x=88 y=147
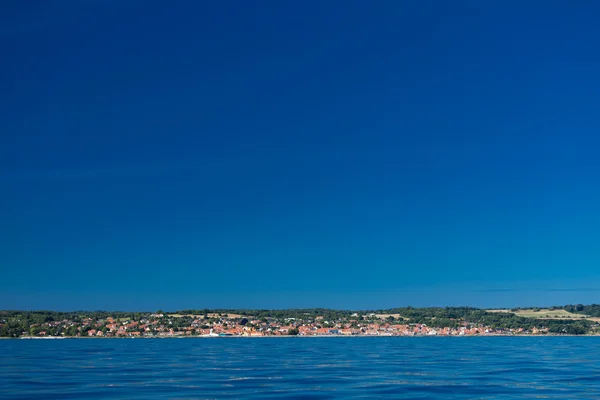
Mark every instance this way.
x=300 y=308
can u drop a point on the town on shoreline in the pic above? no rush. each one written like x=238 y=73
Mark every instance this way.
x=408 y=321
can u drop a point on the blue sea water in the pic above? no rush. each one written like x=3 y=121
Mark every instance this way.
x=302 y=368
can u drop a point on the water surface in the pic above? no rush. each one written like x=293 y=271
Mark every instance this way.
x=302 y=368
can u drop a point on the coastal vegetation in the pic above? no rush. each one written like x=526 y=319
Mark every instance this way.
x=570 y=319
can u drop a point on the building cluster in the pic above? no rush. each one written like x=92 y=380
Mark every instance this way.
x=220 y=325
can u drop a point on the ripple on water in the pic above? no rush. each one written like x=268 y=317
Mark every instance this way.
x=311 y=368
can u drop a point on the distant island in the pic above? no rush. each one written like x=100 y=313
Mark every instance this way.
x=407 y=321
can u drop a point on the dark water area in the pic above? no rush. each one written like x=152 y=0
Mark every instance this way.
x=302 y=368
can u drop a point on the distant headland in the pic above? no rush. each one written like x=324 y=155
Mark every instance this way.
x=407 y=321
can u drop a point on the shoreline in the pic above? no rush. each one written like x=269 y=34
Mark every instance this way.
x=284 y=337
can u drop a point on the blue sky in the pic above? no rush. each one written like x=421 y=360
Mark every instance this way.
x=299 y=154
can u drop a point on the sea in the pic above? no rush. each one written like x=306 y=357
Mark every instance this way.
x=302 y=368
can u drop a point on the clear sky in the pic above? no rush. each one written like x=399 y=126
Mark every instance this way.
x=297 y=154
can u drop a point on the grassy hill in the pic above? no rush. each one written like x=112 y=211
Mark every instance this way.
x=547 y=313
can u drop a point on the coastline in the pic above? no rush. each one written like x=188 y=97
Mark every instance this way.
x=284 y=337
